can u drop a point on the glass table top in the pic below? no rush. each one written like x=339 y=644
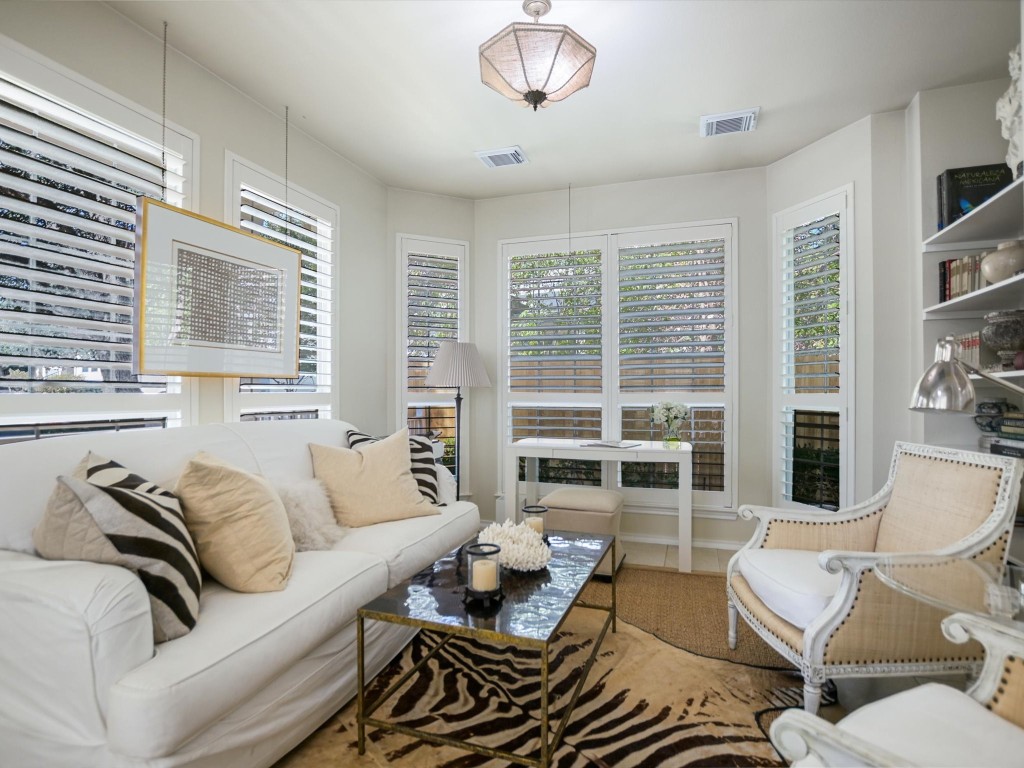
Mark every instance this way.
x=954 y=584
x=534 y=606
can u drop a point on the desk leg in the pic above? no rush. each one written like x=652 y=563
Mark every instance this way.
x=685 y=513
x=511 y=489
x=615 y=577
x=361 y=700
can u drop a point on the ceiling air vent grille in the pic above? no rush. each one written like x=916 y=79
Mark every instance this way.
x=496 y=158
x=729 y=122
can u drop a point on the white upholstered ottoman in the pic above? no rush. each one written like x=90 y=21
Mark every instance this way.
x=586 y=510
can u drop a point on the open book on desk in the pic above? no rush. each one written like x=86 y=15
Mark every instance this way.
x=612 y=444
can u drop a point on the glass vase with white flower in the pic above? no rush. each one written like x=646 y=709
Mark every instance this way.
x=671 y=416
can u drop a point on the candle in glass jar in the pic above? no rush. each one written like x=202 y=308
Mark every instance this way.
x=485 y=576
x=537 y=523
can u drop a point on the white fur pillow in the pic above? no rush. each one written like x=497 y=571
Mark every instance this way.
x=445 y=485
x=309 y=514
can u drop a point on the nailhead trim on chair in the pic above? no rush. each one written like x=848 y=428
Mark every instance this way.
x=1003 y=681
x=772 y=523
x=750 y=615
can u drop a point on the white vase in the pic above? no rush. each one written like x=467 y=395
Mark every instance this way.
x=1006 y=261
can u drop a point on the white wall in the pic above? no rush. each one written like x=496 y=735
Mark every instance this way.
x=737 y=194
x=104 y=47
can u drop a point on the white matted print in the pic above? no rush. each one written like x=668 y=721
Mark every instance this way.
x=212 y=300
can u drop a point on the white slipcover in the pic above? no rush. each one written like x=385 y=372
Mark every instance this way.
x=790 y=582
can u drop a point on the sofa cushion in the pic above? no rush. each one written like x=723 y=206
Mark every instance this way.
x=408 y=545
x=421 y=458
x=110 y=515
x=310 y=516
x=936 y=725
x=789 y=581
x=238 y=523
x=241 y=643
x=372 y=484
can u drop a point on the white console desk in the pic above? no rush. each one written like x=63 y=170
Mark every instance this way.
x=548 y=448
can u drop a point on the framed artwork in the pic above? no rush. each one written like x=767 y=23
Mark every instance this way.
x=211 y=299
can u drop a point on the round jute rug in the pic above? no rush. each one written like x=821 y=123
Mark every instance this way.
x=687 y=610
x=645 y=703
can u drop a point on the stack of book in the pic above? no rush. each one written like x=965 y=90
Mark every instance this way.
x=1010 y=440
x=958 y=277
x=1005 y=446
x=961 y=190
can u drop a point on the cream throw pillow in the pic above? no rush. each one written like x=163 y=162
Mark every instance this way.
x=372 y=484
x=238 y=524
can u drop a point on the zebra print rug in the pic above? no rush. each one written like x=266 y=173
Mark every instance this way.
x=645 y=703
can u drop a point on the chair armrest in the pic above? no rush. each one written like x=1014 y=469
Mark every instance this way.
x=1000 y=685
x=854 y=528
x=797 y=734
x=68 y=631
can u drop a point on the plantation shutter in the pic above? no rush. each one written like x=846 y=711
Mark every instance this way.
x=432 y=311
x=555 y=322
x=813 y=460
x=811 y=303
x=672 y=330
x=68 y=189
x=269 y=218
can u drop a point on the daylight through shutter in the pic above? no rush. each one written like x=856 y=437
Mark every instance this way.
x=555 y=322
x=267 y=217
x=68 y=188
x=432 y=311
x=672 y=317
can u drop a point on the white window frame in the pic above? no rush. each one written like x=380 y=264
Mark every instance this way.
x=406 y=244
x=180 y=404
x=653 y=501
x=238 y=171
x=842 y=403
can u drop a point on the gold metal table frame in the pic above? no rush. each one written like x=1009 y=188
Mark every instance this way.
x=380 y=610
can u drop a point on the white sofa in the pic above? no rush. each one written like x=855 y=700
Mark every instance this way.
x=81 y=682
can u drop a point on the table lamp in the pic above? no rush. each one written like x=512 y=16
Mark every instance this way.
x=946 y=386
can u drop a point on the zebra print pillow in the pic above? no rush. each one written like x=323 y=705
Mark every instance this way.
x=106 y=514
x=421 y=456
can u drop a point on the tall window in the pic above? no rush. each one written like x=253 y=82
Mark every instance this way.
x=432 y=302
x=69 y=182
x=599 y=330
x=307 y=224
x=814 y=331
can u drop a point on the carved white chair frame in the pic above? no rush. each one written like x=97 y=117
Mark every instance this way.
x=856 y=566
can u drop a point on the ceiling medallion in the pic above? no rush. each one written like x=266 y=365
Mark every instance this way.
x=536 y=63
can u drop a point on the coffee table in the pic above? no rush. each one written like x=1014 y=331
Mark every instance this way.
x=534 y=608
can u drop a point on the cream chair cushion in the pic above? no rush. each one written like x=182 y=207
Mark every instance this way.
x=789 y=581
x=935 y=725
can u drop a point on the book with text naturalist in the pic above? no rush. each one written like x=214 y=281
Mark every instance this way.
x=961 y=190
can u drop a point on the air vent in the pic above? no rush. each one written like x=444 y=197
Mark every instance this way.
x=729 y=122
x=496 y=158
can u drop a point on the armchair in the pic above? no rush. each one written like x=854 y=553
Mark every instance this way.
x=806 y=580
x=931 y=724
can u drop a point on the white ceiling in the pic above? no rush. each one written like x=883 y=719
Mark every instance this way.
x=394 y=85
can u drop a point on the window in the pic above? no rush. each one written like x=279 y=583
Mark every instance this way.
x=813 y=463
x=306 y=223
x=599 y=330
x=69 y=181
x=432 y=301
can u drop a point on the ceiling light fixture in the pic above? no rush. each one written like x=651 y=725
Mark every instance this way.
x=536 y=63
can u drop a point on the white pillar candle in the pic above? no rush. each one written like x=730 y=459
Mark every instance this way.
x=485 y=576
x=537 y=523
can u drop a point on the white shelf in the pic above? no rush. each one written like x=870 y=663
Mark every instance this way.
x=997 y=219
x=1006 y=294
x=1008 y=375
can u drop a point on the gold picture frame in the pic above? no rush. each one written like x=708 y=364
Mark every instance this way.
x=212 y=299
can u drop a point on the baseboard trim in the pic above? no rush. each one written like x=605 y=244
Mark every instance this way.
x=640 y=538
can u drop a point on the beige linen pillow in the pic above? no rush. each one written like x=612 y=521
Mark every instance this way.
x=373 y=484
x=238 y=524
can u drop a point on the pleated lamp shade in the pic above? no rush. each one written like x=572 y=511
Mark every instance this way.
x=457 y=364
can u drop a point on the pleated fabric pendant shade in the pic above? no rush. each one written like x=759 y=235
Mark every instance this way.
x=537 y=63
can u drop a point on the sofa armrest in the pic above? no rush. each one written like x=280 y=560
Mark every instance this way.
x=68 y=631
x=797 y=734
